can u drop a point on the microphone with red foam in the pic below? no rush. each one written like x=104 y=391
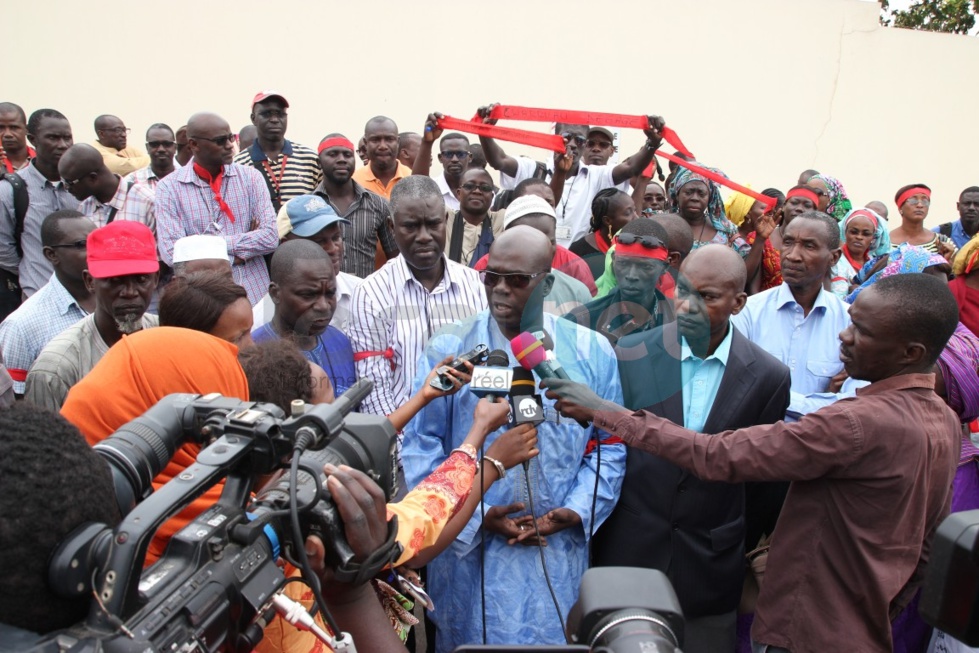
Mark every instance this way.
x=532 y=355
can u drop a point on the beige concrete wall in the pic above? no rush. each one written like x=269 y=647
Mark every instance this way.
x=759 y=88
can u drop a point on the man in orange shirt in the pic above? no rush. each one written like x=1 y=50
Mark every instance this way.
x=383 y=170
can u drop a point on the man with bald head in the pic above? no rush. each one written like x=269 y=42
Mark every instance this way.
x=383 y=169
x=112 y=145
x=304 y=291
x=215 y=196
x=101 y=193
x=408 y=144
x=701 y=373
x=519 y=609
x=679 y=238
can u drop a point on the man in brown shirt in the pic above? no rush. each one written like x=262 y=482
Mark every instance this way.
x=871 y=476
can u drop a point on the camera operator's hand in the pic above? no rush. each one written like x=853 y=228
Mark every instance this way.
x=356 y=609
x=363 y=511
x=515 y=446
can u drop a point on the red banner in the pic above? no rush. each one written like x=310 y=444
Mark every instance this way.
x=769 y=202
x=534 y=139
x=591 y=118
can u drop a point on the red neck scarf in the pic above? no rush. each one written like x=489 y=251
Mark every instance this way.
x=215 y=184
x=601 y=242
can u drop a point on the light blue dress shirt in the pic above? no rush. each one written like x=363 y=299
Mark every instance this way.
x=809 y=345
x=959 y=237
x=519 y=609
x=701 y=379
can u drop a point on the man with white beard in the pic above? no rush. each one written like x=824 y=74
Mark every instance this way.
x=122 y=273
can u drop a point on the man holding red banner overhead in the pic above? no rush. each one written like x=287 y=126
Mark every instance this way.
x=580 y=182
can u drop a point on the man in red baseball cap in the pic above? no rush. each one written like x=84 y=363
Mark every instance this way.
x=288 y=168
x=122 y=273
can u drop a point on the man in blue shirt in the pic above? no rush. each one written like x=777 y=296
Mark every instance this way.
x=703 y=374
x=799 y=322
x=967 y=225
x=304 y=291
x=558 y=486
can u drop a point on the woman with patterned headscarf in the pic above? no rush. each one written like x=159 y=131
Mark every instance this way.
x=832 y=195
x=903 y=260
x=698 y=201
x=864 y=236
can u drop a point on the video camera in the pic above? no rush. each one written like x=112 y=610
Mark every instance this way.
x=619 y=610
x=215 y=587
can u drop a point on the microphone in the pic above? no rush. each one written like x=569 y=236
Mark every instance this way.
x=493 y=378
x=525 y=404
x=531 y=354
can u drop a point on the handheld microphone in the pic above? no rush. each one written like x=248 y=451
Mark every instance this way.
x=525 y=404
x=493 y=378
x=531 y=354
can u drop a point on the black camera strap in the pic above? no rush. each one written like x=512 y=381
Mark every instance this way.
x=386 y=554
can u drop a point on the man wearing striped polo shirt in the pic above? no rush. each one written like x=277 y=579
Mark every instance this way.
x=288 y=168
x=398 y=308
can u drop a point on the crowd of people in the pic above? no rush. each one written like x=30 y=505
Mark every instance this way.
x=769 y=396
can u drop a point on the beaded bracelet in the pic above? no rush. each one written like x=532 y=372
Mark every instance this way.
x=467 y=449
x=499 y=466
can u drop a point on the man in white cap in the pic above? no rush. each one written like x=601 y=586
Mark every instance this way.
x=564 y=259
x=309 y=217
x=567 y=293
x=200 y=253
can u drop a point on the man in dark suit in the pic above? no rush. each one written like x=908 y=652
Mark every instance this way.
x=701 y=373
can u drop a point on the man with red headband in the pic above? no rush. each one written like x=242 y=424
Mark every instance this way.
x=367 y=213
x=289 y=169
x=215 y=196
x=635 y=304
x=708 y=378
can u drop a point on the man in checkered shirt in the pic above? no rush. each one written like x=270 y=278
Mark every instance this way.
x=214 y=196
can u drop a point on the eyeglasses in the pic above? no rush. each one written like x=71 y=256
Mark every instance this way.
x=268 y=114
x=78 y=244
x=916 y=201
x=220 y=141
x=590 y=143
x=455 y=154
x=155 y=144
x=70 y=184
x=483 y=188
x=652 y=242
x=514 y=279
x=118 y=130
x=571 y=136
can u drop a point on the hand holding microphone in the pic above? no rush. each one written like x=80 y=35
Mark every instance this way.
x=531 y=354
